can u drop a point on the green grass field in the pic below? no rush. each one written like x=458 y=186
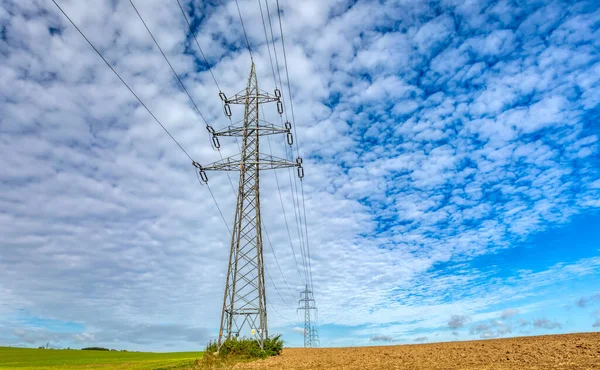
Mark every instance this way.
x=38 y=359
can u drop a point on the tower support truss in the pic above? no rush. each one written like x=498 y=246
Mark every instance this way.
x=244 y=311
x=314 y=337
x=307 y=304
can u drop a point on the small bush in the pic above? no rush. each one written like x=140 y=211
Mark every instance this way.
x=273 y=346
x=244 y=349
x=95 y=349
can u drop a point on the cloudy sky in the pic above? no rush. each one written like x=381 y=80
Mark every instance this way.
x=451 y=156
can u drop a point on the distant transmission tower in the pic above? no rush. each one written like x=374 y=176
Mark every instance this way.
x=244 y=301
x=314 y=337
x=307 y=303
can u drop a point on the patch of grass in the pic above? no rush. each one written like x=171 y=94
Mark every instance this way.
x=48 y=359
x=239 y=350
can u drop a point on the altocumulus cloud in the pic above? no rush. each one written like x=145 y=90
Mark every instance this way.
x=433 y=133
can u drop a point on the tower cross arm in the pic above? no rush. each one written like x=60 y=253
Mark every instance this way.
x=262 y=128
x=235 y=163
x=306 y=308
x=259 y=97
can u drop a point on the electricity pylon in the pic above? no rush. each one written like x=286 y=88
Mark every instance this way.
x=244 y=301
x=307 y=303
x=314 y=337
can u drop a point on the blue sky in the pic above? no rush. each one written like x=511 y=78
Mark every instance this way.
x=451 y=156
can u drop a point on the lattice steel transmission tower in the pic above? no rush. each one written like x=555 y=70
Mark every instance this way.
x=244 y=301
x=307 y=303
x=314 y=337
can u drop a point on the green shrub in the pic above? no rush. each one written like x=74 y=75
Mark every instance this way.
x=95 y=349
x=241 y=349
x=273 y=346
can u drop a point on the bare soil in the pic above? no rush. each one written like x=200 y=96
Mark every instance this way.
x=570 y=351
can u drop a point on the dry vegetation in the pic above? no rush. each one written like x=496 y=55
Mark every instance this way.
x=571 y=351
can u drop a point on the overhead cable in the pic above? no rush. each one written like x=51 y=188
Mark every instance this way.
x=169 y=63
x=198 y=44
x=123 y=81
x=243 y=28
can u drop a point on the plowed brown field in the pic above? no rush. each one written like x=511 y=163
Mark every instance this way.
x=570 y=351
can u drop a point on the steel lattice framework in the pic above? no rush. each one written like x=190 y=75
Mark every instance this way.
x=307 y=303
x=244 y=302
x=315 y=342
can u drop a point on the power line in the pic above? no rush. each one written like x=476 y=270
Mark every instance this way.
x=277 y=262
x=298 y=215
x=295 y=134
x=188 y=94
x=243 y=28
x=142 y=103
x=276 y=59
x=277 y=289
x=123 y=81
x=306 y=231
x=169 y=63
x=216 y=203
x=283 y=212
x=287 y=76
x=285 y=216
x=267 y=39
x=275 y=53
x=198 y=44
x=277 y=312
x=296 y=202
x=296 y=210
x=281 y=119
